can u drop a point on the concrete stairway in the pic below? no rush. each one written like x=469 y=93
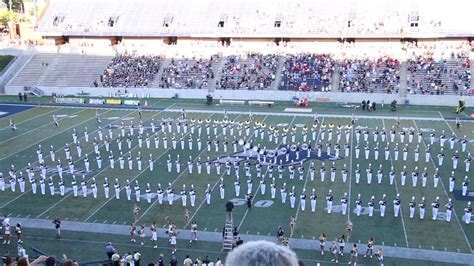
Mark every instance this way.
x=335 y=79
x=278 y=74
x=403 y=79
x=217 y=75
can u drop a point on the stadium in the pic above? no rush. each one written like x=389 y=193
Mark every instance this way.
x=305 y=132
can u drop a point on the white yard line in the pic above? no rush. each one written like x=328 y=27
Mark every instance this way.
x=26 y=192
x=349 y=193
x=396 y=189
x=32 y=130
x=43 y=139
x=176 y=179
x=131 y=181
x=307 y=174
x=447 y=195
x=256 y=191
x=31 y=118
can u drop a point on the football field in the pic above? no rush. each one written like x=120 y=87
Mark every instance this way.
x=35 y=127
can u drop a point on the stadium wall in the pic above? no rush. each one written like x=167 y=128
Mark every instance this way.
x=267 y=95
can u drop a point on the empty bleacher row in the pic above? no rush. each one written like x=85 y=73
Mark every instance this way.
x=254 y=71
x=251 y=18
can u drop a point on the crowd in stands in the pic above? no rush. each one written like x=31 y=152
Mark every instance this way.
x=253 y=72
x=460 y=75
x=131 y=71
x=307 y=72
x=188 y=74
x=363 y=75
x=425 y=75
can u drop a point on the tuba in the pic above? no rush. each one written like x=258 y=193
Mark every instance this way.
x=304 y=146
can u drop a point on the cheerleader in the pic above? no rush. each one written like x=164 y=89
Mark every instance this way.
x=341 y=242
x=141 y=233
x=354 y=254
x=334 y=252
x=292 y=225
x=186 y=215
x=18 y=233
x=194 y=227
x=172 y=240
x=379 y=255
x=133 y=230
x=349 y=227
x=154 y=235
x=370 y=247
x=322 y=242
x=136 y=212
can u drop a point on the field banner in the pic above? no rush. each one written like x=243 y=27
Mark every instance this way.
x=96 y=101
x=113 y=101
x=131 y=102
x=70 y=100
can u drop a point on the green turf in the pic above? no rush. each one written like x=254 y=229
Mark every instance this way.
x=5 y=60
x=34 y=127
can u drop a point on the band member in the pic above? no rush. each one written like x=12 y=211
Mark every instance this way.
x=465 y=185
x=329 y=199
x=468 y=213
x=371 y=204
x=283 y=193
x=94 y=188
x=313 y=199
x=452 y=181
x=106 y=188
x=237 y=187
x=396 y=205
x=170 y=194
x=449 y=210
x=273 y=188
x=358 y=204
x=434 y=208
x=192 y=195
x=128 y=190
x=159 y=191
x=292 y=197
x=383 y=204
x=303 y=200
x=117 y=189
x=344 y=201
x=148 y=193
x=137 y=191
x=422 y=207
x=412 y=205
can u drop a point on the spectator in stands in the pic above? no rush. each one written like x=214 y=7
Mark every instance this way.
x=255 y=71
x=189 y=74
x=306 y=72
x=131 y=71
x=363 y=75
x=261 y=253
